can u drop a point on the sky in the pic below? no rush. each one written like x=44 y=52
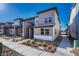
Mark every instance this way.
x=11 y=11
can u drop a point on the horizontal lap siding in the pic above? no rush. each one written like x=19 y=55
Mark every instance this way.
x=37 y=31
x=43 y=37
x=41 y=17
x=37 y=34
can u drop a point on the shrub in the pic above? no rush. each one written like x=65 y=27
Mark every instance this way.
x=76 y=51
x=50 y=48
x=38 y=43
x=44 y=44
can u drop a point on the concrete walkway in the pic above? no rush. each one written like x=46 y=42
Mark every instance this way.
x=65 y=43
x=65 y=47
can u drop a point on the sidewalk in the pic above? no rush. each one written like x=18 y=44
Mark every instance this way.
x=65 y=47
x=24 y=50
x=65 y=43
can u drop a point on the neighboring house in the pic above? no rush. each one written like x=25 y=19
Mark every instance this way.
x=47 y=25
x=73 y=26
x=18 y=26
x=2 y=28
x=27 y=28
x=9 y=29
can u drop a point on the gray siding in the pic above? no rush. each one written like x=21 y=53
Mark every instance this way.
x=41 y=17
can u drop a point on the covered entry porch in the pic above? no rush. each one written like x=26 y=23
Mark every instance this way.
x=27 y=30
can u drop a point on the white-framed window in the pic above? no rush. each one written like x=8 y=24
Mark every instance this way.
x=50 y=19
x=36 y=20
x=45 y=20
x=44 y=31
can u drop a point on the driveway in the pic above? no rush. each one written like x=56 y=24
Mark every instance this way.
x=65 y=43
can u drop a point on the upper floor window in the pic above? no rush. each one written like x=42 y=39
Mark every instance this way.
x=50 y=19
x=45 y=20
x=36 y=20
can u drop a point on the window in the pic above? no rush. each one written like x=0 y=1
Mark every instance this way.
x=47 y=32
x=36 y=20
x=45 y=20
x=42 y=31
x=50 y=19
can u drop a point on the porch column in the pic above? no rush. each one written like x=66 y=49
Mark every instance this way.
x=25 y=31
x=30 y=33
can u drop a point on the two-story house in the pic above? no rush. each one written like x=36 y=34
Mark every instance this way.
x=47 y=25
x=18 y=26
x=9 y=29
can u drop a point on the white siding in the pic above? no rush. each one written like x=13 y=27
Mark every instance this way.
x=43 y=37
x=73 y=22
x=41 y=17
